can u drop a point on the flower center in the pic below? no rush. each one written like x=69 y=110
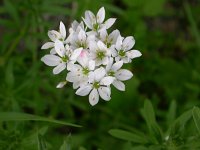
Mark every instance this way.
x=85 y=71
x=82 y=44
x=122 y=53
x=100 y=55
x=111 y=73
x=96 y=26
x=96 y=85
x=65 y=58
x=108 y=44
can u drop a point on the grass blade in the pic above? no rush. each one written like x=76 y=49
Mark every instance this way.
x=196 y=117
x=16 y=116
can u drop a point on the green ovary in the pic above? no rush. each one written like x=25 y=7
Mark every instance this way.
x=122 y=53
x=96 y=85
x=96 y=26
x=111 y=73
x=65 y=58
x=85 y=71
x=100 y=55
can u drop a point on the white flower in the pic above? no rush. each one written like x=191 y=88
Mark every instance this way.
x=123 y=49
x=81 y=39
x=99 y=52
x=109 y=40
x=92 y=57
x=74 y=29
x=54 y=36
x=79 y=74
x=99 y=85
x=119 y=74
x=96 y=23
x=65 y=55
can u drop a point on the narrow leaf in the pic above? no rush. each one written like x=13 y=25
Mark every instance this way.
x=41 y=143
x=128 y=136
x=16 y=116
x=171 y=115
x=196 y=117
x=149 y=116
x=180 y=122
x=67 y=143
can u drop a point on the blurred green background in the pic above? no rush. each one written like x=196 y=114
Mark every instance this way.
x=168 y=74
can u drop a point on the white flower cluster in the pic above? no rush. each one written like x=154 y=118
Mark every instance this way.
x=91 y=56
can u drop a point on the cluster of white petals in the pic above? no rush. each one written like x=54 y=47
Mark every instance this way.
x=91 y=57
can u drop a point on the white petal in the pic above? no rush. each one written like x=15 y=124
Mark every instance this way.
x=110 y=22
x=74 y=25
x=116 y=66
x=61 y=84
x=99 y=73
x=113 y=36
x=59 y=47
x=53 y=51
x=93 y=46
x=92 y=17
x=70 y=65
x=82 y=36
x=62 y=30
x=71 y=77
x=101 y=15
x=119 y=43
x=123 y=74
x=87 y=23
x=76 y=85
x=53 y=35
x=128 y=43
x=51 y=60
x=104 y=93
x=91 y=77
x=133 y=54
x=119 y=85
x=103 y=35
x=107 y=80
x=101 y=46
x=110 y=63
x=94 y=97
x=105 y=61
x=126 y=60
x=76 y=53
x=76 y=68
x=84 y=90
x=114 y=52
x=89 y=16
x=91 y=65
x=47 y=45
x=59 y=68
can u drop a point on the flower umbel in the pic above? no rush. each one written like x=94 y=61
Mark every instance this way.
x=91 y=57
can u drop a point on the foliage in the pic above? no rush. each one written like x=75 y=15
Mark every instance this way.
x=168 y=75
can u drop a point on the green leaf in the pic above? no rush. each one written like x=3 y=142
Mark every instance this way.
x=149 y=112
x=171 y=115
x=196 y=117
x=128 y=136
x=33 y=139
x=41 y=143
x=180 y=122
x=149 y=116
x=16 y=116
x=67 y=143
